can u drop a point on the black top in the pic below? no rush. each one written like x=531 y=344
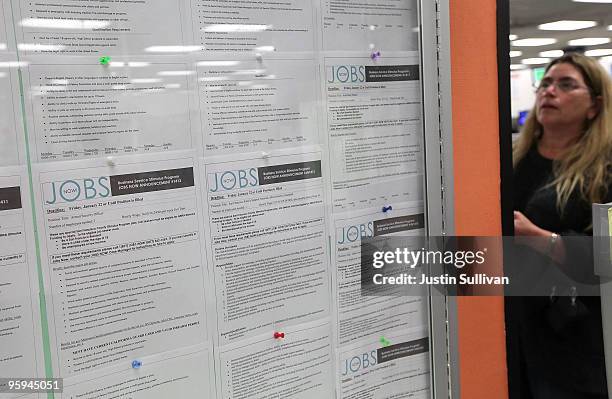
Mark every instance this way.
x=555 y=340
x=537 y=200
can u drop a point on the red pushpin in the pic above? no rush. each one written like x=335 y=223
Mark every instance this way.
x=279 y=335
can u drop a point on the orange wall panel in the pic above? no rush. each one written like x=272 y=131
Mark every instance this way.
x=482 y=355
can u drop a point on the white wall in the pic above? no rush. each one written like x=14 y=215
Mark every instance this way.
x=522 y=93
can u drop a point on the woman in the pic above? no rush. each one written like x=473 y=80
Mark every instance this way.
x=562 y=165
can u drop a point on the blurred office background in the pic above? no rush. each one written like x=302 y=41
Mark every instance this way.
x=541 y=30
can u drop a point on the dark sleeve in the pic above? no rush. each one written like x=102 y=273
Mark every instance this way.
x=579 y=265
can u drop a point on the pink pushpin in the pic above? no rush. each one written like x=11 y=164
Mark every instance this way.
x=279 y=335
x=375 y=55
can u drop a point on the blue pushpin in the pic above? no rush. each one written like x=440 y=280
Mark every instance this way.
x=387 y=208
x=136 y=364
x=375 y=55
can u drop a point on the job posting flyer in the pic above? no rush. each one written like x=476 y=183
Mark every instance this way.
x=267 y=242
x=121 y=254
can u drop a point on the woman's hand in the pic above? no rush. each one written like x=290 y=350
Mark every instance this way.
x=525 y=227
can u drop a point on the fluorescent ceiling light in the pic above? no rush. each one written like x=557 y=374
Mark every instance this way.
x=515 y=67
x=63 y=23
x=138 y=64
x=132 y=64
x=236 y=28
x=249 y=72
x=145 y=80
x=534 y=42
x=567 y=25
x=3 y=46
x=13 y=64
x=265 y=48
x=599 y=52
x=515 y=53
x=535 y=61
x=218 y=63
x=173 y=49
x=39 y=47
x=212 y=79
x=512 y=37
x=175 y=73
x=173 y=86
x=589 y=41
x=552 y=53
x=592 y=1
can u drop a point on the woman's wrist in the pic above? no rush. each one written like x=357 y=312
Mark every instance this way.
x=539 y=232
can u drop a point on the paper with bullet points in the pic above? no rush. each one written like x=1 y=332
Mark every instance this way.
x=244 y=25
x=364 y=25
x=122 y=262
x=299 y=367
x=267 y=242
x=386 y=370
x=362 y=317
x=20 y=353
x=374 y=130
x=88 y=110
x=181 y=374
x=246 y=105
x=96 y=28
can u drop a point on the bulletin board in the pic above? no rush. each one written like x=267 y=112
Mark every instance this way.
x=184 y=186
